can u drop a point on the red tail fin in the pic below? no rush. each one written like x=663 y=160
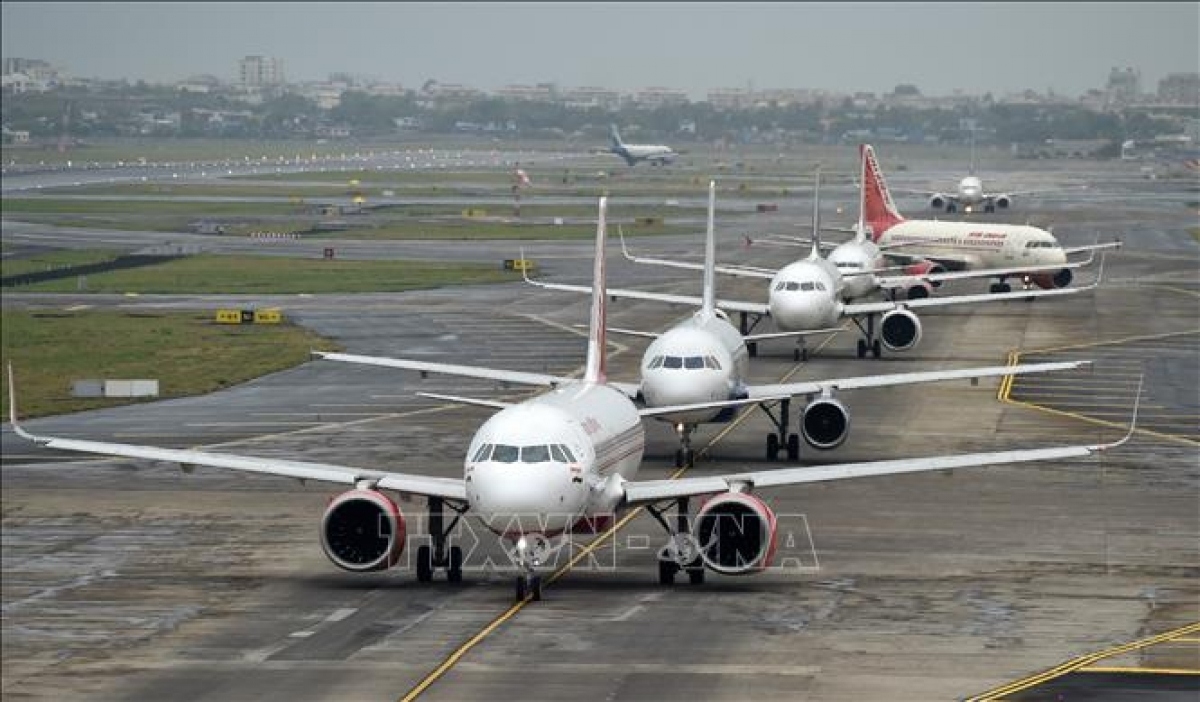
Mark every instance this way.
x=878 y=210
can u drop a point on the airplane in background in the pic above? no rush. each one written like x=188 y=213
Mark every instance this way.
x=807 y=295
x=563 y=462
x=937 y=247
x=696 y=372
x=654 y=154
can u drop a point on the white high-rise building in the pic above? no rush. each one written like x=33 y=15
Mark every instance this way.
x=258 y=71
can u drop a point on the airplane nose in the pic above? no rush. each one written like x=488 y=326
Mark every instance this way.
x=526 y=498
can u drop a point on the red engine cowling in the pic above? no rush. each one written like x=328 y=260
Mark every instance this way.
x=900 y=330
x=735 y=532
x=1050 y=281
x=363 y=531
x=926 y=268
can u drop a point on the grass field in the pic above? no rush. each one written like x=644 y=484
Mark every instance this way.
x=187 y=353
x=54 y=259
x=210 y=274
x=165 y=150
x=47 y=205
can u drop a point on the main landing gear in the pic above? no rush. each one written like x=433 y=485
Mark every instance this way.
x=780 y=439
x=1000 y=287
x=685 y=457
x=438 y=556
x=745 y=326
x=681 y=552
x=869 y=342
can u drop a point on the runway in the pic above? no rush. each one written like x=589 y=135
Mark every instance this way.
x=127 y=581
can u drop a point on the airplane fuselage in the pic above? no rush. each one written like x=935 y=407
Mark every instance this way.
x=854 y=257
x=806 y=294
x=976 y=245
x=540 y=466
x=702 y=359
x=970 y=191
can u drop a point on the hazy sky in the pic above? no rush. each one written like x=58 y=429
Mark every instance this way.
x=937 y=46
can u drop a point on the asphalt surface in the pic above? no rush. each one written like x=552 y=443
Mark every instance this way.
x=127 y=580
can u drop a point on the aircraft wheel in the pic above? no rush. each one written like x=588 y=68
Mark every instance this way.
x=522 y=587
x=454 y=571
x=535 y=587
x=680 y=458
x=666 y=572
x=424 y=564
x=876 y=349
x=793 y=447
x=695 y=572
x=862 y=348
x=752 y=349
x=772 y=446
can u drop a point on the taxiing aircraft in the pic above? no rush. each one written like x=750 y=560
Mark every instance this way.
x=654 y=154
x=932 y=246
x=559 y=463
x=807 y=296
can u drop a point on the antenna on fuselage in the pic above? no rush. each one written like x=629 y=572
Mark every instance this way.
x=709 y=301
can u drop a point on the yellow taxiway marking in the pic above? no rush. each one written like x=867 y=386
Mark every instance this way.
x=456 y=655
x=1135 y=669
x=1004 y=392
x=1080 y=662
x=1112 y=342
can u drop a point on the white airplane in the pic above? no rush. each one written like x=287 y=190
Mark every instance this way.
x=932 y=246
x=655 y=154
x=562 y=461
x=696 y=372
x=807 y=296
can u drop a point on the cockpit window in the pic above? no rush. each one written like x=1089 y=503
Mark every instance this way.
x=483 y=453
x=505 y=454
x=710 y=362
x=655 y=363
x=566 y=452
x=693 y=362
x=809 y=286
x=673 y=362
x=780 y=285
x=556 y=450
x=535 y=454
x=793 y=286
x=820 y=285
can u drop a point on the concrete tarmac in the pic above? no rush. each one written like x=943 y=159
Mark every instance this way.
x=128 y=581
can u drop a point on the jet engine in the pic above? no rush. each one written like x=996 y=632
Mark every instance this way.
x=900 y=330
x=825 y=423
x=918 y=291
x=363 y=531
x=1050 y=281
x=1002 y=202
x=937 y=202
x=735 y=532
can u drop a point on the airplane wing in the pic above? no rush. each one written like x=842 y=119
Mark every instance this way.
x=685 y=265
x=860 y=308
x=907 y=280
x=1093 y=247
x=812 y=387
x=426 y=485
x=490 y=404
x=649 y=491
x=518 y=377
x=694 y=301
x=503 y=376
x=791 y=334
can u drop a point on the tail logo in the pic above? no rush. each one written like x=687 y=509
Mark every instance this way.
x=879 y=210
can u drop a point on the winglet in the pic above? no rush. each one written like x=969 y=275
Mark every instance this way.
x=624 y=250
x=708 y=301
x=595 y=368
x=12 y=408
x=1137 y=403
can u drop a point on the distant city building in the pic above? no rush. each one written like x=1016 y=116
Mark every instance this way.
x=590 y=96
x=1180 y=89
x=660 y=97
x=1124 y=86
x=542 y=92
x=260 y=71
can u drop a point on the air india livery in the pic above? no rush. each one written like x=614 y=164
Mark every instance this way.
x=932 y=246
